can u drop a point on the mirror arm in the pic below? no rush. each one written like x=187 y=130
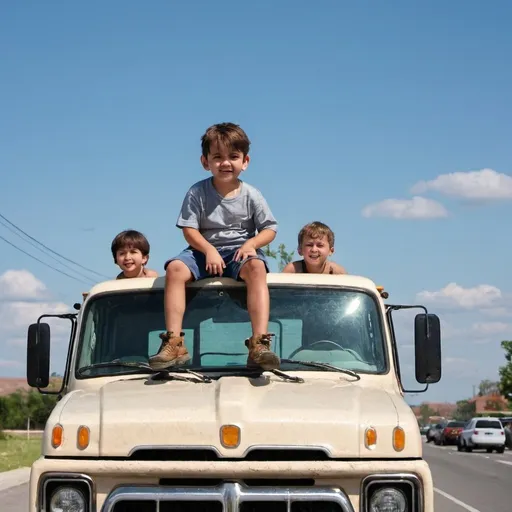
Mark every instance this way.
x=72 y=317
x=416 y=390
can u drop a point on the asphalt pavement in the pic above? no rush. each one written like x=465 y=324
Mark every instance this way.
x=463 y=482
x=475 y=482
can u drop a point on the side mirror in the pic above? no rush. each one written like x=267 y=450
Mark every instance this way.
x=427 y=341
x=38 y=355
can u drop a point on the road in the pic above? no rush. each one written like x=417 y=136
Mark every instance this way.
x=464 y=482
x=478 y=481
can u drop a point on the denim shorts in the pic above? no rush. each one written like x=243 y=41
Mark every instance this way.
x=196 y=263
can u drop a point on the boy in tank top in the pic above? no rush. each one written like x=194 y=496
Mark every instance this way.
x=315 y=245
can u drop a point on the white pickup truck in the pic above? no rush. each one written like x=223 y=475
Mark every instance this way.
x=329 y=431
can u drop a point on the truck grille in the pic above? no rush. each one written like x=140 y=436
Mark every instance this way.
x=228 y=497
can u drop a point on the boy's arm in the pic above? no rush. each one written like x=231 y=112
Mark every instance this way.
x=260 y=240
x=189 y=221
x=289 y=269
x=265 y=224
x=196 y=240
x=338 y=269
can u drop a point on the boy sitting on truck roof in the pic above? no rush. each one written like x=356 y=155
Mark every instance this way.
x=130 y=250
x=220 y=216
x=315 y=245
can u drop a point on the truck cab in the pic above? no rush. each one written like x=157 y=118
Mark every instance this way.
x=329 y=431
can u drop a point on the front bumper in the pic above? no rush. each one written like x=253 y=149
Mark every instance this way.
x=342 y=477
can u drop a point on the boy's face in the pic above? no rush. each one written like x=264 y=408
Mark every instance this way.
x=224 y=163
x=315 y=251
x=131 y=261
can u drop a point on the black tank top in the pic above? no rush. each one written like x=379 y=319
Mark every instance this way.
x=305 y=269
x=122 y=276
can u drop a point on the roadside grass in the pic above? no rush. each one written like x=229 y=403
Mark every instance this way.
x=17 y=451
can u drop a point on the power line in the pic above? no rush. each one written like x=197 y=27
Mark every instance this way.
x=51 y=250
x=41 y=250
x=41 y=261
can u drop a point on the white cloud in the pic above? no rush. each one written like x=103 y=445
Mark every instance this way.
x=415 y=208
x=23 y=298
x=17 y=315
x=20 y=285
x=500 y=311
x=485 y=184
x=5 y=363
x=456 y=360
x=491 y=328
x=481 y=296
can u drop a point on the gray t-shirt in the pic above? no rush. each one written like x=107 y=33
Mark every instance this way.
x=225 y=223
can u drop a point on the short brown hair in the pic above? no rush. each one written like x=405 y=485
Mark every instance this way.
x=315 y=230
x=130 y=238
x=227 y=134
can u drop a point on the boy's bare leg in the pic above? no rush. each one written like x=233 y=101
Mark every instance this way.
x=172 y=350
x=254 y=274
x=177 y=275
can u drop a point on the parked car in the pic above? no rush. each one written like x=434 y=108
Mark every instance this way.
x=433 y=430
x=450 y=433
x=507 y=426
x=424 y=429
x=487 y=433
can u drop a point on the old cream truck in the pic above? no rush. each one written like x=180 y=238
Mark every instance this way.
x=329 y=431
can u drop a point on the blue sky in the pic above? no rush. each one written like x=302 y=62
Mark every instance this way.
x=346 y=104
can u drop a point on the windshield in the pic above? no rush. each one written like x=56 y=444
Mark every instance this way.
x=339 y=327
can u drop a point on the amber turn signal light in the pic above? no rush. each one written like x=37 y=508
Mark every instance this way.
x=230 y=436
x=370 y=438
x=57 y=435
x=398 y=439
x=83 y=437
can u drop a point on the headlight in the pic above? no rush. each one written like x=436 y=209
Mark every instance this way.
x=67 y=499
x=388 y=499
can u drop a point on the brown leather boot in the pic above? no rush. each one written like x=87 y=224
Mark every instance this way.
x=260 y=353
x=172 y=352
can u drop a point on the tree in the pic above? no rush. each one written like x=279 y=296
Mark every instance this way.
x=488 y=387
x=281 y=255
x=465 y=410
x=426 y=412
x=20 y=405
x=506 y=371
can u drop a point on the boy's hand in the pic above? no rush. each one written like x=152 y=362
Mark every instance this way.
x=214 y=262
x=248 y=249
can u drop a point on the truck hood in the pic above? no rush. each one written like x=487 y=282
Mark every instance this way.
x=330 y=414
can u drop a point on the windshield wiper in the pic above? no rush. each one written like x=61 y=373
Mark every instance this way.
x=146 y=368
x=252 y=371
x=325 y=366
x=167 y=371
x=115 y=364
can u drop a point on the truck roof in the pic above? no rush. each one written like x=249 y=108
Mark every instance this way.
x=342 y=280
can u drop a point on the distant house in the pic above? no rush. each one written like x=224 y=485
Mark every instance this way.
x=442 y=410
x=491 y=403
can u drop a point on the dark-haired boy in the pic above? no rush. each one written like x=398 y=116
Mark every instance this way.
x=130 y=250
x=225 y=222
